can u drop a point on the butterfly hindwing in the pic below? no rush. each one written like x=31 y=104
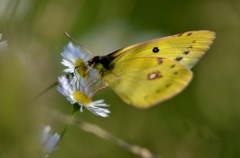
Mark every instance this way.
x=145 y=81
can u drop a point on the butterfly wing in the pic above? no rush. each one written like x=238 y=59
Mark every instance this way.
x=186 y=48
x=146 y=81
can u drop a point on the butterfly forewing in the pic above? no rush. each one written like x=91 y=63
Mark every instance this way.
x=186 y=48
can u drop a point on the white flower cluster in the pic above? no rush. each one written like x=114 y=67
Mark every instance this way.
x=77 y=85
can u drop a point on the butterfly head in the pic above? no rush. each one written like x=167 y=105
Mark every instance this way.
x=101 y=62
x=93 y=61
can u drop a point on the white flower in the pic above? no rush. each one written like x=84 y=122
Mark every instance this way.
x=3 y=44
x=94 y=108
x=49 y=140
x=80 y=93
x=74 y=57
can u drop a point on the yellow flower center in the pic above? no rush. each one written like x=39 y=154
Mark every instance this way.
x=81 y=98
x=81 y=67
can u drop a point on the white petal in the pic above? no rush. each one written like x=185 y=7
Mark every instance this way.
x=99 y=103
x=51 y=143
x=98 y=111
x=45 y=133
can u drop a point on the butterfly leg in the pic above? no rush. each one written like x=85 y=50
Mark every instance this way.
x=100 y=88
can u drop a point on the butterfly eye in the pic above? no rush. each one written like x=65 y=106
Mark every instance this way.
x=90 y=62
x=93 y=60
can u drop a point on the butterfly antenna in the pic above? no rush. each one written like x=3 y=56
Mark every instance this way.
x=71 y=38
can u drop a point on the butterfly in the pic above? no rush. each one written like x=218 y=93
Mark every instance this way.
x=148 y=73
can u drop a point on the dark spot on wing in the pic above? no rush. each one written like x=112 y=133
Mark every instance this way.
x=160 y=60
x=168 y=85
x=189 y=34
x=190 y=46
x=172 y=66
x=155 y=50
x=178 y=58
x=186 y=52
x=193 y=41
x=154 y=75
x=175 y=73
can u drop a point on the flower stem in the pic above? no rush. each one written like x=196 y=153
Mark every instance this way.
x=75 y=109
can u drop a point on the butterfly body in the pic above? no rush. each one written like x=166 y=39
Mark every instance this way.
x=148 y=73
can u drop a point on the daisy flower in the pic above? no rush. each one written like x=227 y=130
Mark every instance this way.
x=75 y=59
x=79 y=93
x=49 y=140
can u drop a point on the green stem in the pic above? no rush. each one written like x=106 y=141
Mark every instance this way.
x=75 y=109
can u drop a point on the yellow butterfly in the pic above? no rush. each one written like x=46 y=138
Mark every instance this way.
x=148 y=73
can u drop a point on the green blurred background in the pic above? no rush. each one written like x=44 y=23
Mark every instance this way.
x=201 y=122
